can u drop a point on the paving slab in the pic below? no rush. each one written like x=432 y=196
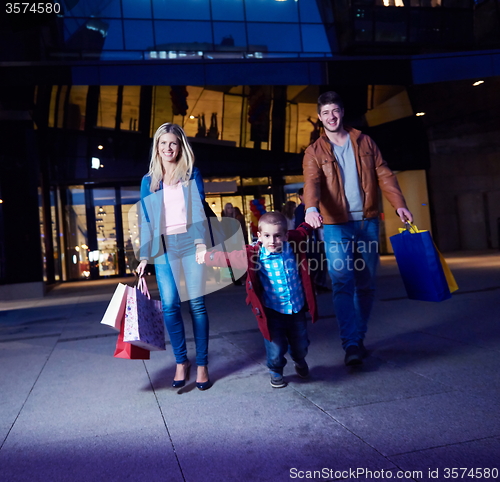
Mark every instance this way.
x=419 y=423
x=21 y=362
x=437 y=463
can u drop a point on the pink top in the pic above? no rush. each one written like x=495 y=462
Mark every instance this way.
x=175 y=209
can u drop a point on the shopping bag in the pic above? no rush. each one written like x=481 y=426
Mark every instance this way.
x=127 y=350
x=421 y=265
x=143 y=324
x=116 y=308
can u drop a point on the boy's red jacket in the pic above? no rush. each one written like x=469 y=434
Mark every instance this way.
x=239 y=259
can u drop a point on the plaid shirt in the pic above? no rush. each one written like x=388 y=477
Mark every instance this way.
x=280 y=279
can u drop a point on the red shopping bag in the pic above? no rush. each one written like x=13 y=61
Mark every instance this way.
x=129 y=351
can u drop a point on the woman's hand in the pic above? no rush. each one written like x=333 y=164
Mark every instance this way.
x=142 y=266
x=201 y=249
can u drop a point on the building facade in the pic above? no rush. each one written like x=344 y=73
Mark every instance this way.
x=85 y=86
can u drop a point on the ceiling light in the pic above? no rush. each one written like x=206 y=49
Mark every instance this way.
x=420 y=114
x=100 y=147
x=479 y=82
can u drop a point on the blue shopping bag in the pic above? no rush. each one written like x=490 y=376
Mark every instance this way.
x=421 y=266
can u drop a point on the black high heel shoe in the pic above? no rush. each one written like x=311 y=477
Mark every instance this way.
x=181 y=383
x=204 y=385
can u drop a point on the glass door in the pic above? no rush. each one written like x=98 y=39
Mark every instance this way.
x=106 y=255
x=129 y=196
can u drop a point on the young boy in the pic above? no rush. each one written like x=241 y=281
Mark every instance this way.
x=279 y=290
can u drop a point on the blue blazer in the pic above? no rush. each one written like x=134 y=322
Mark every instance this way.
x=152 y=216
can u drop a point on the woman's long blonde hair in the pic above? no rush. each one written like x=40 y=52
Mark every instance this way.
x=185 y=158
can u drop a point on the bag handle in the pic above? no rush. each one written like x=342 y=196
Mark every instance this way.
x=143 y=287
x=412 y=228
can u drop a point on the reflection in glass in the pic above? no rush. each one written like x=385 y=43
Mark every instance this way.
x=179 y=35
x=309 y=11
x=227 y=10
x=276 y=37
x=314 y=38
x=230 y=36
x=182 y=9
x=136 y=8
x=271 y=10
x=138 y=34
x=114 y=37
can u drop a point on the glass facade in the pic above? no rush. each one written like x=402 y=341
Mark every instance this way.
x=163 y=29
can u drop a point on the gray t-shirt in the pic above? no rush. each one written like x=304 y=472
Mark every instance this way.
x=350 y=179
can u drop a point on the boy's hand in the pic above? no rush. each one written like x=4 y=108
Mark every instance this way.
x=201 y=249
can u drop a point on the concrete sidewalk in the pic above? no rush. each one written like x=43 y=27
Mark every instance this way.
x=427 y=399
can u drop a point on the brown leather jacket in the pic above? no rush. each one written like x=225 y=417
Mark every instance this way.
x=323 y=188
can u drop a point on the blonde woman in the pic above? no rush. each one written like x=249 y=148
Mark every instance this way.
x=172 y=234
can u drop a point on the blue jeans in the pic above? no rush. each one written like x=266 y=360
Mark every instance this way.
x=287 y=332
x=352 y=254
x=180 y=256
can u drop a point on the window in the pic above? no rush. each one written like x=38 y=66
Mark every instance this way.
x=107 y=106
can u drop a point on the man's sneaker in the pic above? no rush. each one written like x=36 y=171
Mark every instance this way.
x=302 y=370
x=363 y=352
x=353 y=355
x=277 y=381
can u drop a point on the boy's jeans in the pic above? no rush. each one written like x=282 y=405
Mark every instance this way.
x=352 y=254
x=287 y=332
x=181 y=256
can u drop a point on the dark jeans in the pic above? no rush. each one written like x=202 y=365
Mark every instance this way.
x=288 y=332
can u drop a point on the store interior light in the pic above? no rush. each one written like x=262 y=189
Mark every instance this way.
x=420 y=114
x=479 y=82
x=100 y=147
x=96 y=163
x=1 y=201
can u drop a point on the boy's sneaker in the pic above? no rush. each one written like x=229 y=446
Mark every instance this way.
x=363 y=352
x=277 y=381
x=353 y=355
x=302 y=369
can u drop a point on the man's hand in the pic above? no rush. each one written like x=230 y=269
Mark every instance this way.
x=142 y=266
x=314 y=219
x=405 y=215
x=201 y=249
